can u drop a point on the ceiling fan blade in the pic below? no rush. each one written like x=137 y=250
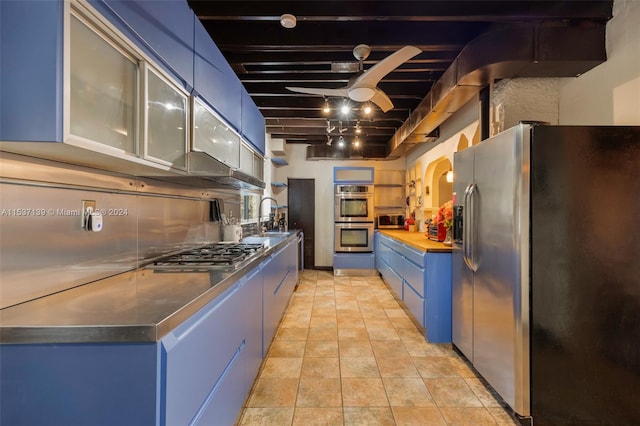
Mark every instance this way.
x=342 y=92
x=373 y=75
x=382 y=100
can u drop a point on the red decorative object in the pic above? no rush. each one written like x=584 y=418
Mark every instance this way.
x=442 y=232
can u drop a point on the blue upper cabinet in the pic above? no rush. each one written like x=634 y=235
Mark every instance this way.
x=163 y=29
x=253 y=124
x=31 y=92
x=214 y=80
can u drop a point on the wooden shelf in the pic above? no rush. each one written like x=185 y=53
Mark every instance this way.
x=389 y=185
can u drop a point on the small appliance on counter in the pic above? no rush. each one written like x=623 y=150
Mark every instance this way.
x=390 y=221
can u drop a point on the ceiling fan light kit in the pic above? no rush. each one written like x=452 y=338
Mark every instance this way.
x=363 y=87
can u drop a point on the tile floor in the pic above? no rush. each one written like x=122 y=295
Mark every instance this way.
x=346 y=353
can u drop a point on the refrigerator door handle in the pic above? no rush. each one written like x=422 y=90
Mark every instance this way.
x=469 y=228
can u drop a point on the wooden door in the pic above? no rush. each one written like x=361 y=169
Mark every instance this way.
x=301 y=202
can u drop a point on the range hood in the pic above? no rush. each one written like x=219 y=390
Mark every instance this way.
x=215 y=174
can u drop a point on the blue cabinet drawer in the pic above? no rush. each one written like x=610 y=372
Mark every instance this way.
x=414 y=302
x=414 y=275
x=396 y=261
x=196 y=354
x=393 y=279
x=416 y=256
x=224 y=404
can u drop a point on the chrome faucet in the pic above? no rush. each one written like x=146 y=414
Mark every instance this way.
x=260 y=212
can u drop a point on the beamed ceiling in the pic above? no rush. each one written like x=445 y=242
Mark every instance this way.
x=318 y=53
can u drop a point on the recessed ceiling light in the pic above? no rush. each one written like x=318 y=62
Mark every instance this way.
x=287 y=20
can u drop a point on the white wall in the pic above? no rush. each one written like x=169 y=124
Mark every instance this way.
x=610 y=93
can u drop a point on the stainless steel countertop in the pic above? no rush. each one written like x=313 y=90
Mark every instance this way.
x=136 y=306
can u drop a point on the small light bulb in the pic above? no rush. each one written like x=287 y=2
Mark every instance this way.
x=367 y=109
x=345 y=109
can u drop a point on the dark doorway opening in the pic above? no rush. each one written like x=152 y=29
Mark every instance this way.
x=301 y=203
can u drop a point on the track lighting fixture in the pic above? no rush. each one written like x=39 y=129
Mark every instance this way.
x=327 y=108
x=345 y=109
x=358 y=128
x=367 y=108
x=341 y=141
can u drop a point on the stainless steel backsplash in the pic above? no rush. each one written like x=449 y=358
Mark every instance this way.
x=44 y=248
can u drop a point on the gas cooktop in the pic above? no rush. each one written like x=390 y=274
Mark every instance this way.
x=218 y=256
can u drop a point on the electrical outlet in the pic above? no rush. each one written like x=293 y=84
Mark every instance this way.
x=86 y=204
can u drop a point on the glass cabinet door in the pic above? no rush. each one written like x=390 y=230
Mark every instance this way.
x=103 y=89
x=213 y=136
x=166 y=122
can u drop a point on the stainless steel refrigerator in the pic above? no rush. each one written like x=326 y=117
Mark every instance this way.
x=546 y=270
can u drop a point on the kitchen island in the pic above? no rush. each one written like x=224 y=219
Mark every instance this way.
x=418 y=271
x=146 y=346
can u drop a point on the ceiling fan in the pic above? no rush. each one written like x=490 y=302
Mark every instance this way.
x=363 y=86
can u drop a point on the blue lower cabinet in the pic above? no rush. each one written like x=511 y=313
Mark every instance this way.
x=276 y=293
x=438 y=297
x=253 y=322
x=72 y=384
x=196 y=355
x=224 y=403
x=198 y=374
x=414 y=302
x=422 y=280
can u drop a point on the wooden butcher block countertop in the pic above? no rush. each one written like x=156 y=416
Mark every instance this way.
x=416 y=240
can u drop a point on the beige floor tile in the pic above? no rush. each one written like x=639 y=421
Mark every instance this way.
x=464 y=369
x=326 y=416
x=418 y=416
x=317 y=392
x=407 y=392
x=424 y=349
x=383 y=333
x=292 y=333
x=274 y=393
x=397 y=367
x=368 y=416
x=350 y=333
x=346 y=352
x=323 y=321
x=382 y=322
x=323 y=333
x=267 y=416
x=452 y=392
x=486 y=396
x=321 y=348
x=403 y=323
x=435 y=366
x=395 y=313
x=466 y=416
x=502 y=417
x=363 y=392
x=287 y=348
x=410 y=335
x=359 y=367
x=389 y=349
x=320 y=367
x=281 y=368
x=355 y=347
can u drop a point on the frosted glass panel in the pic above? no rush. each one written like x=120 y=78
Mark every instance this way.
x=103 y=85
x=212 y=136
x=166 y=125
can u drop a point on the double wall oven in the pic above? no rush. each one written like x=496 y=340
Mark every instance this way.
x=353 y=218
